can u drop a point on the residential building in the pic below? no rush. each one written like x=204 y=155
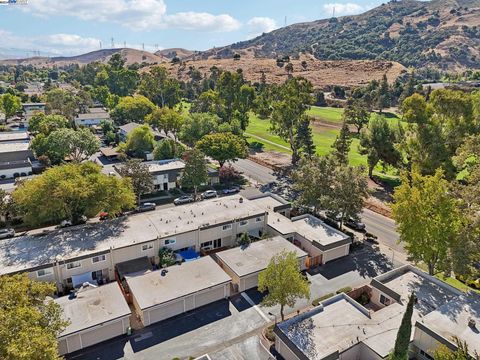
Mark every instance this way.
x=125 y=130
x=15 y=159
x=161 y=294
x=165 y=173
x=95 y=314
x=91 y=251
x=244 y=264
x=93 y=117
x=322 y=242
x=342 y=328
x=29 y=109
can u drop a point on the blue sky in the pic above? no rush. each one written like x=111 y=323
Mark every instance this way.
x=75 y=26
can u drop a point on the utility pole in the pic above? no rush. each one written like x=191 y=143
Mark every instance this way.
x=143 y=46
x=285 y=20
x=113 y=44
x=333 y=15
x=100 y=44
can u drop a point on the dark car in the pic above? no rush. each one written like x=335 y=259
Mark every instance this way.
x=184 y=199
x=7 y=233
x=231 y=190
x=355 y=224
x=146 y=207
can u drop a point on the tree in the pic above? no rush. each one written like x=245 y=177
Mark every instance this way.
x=140 y=141
x=223 y=147
x=427 y=218
x=45 y=124
x=168 y=120
x=383 y=94
x=10 y=104
x=356 y=113
x=166 y=257
x=462 y=352
x=400 y=351
x=167 y=149
x=304 y=138
x=71 y=191
x=244 y=240
x=378 y=143
x=198 y=125
x=341 y=145
x=195 y=172
x=132 y=109
x=30 y=322
x=78 y=145
x=350 y=190
x=141 y=179
x=159 y=88
x=288 y=113
x=283 y=281
x=7 y=207
x=61 y=102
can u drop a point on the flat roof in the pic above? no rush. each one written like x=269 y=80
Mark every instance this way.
x=255 y=257
x=340 y=323
x=14 y=135
x=93 y=115
x=93 y=306
x=7 y=147
x=451 y=319
x=180 y=280
x=315 y=230
x=269 y=201
x=158 y=166
x=26 y=252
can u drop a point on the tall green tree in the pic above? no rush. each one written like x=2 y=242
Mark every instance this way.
x=141 y=179
x=61 y=102
x=378 y=141
x=283 y=281
x=292 y=100
x=159 y=88
x=71 y=191
x=383 y=98
x=427 y=218
x=168 y=149
x=462 y=352
x=195 y=172
x=341 y=145
x=10 y=104
x=304 y=138
x=402 y=342
x=168 y=120
x=132 y=109
x=356 y=113
x=45 y=124
x=197 y=125
x=30 y=323
x=223 y=147
x=140 y=141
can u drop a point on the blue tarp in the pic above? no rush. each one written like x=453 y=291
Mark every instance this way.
x=189 y=255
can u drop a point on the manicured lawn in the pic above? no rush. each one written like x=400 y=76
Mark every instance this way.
x=326 y=113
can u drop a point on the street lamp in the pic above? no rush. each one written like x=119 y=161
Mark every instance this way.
x=275 y=316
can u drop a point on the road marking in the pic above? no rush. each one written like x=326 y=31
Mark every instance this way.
x=250 y=301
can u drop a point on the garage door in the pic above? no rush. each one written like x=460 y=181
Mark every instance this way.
x=209 y=296
x=102 y=333
x=250 y=282
x=166 y=311
x=335 y=253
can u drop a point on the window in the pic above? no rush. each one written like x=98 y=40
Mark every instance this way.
x=258 y=219
x=243 y=222
x=97 y=275
x=44 y=272
x=213 y=244
x=227 y=227
x=99 y=258
x=384 y=300
x=425 y=355
x=146 y=247
x=170 y=241
x=73 y=265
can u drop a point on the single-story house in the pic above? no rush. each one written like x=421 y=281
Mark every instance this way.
x=161 y=294
x=244 y=264
x=95 y=314
x=125 y=130
x=31 y=107
x=93 y=117
x=110 y=153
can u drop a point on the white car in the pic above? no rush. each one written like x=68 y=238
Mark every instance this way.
x=209 y=194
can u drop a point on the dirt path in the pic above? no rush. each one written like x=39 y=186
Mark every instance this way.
x=268 y=141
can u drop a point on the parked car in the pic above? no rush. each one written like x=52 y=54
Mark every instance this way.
x=104 y=216
x=209 y=194
x=66 y=223
x=184 y=199
x=146 y=207
x=355 y=224
x=7 y=233
x=231 y=190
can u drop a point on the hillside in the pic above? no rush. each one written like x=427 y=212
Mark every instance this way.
x=131 y=56
x=172 y=52
x=321 y=73
x=443 y=34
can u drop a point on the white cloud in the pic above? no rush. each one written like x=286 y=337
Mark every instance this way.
x=343 y=9
x=55 y=44
x=260 y=25
x=135 y=14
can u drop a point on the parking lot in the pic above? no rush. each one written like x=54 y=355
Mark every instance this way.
x=228 y=328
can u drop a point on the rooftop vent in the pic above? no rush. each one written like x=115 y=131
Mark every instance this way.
x=472 y=323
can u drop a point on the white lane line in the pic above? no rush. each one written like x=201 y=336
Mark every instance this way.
x=250 y=301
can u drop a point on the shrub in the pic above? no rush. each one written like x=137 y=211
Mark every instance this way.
x=316 y=302
x=345 y=289
x=227 y=174
x=166 y=257
x=269 y=334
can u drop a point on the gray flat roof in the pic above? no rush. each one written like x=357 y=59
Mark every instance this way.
x=180 y=280
x=255 y=257
x=93 y=306
x=26 y=252
x=159 y=166
x=7 y=147
x=14 y=135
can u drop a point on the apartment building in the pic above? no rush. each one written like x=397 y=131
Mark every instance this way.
x=71 y=256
